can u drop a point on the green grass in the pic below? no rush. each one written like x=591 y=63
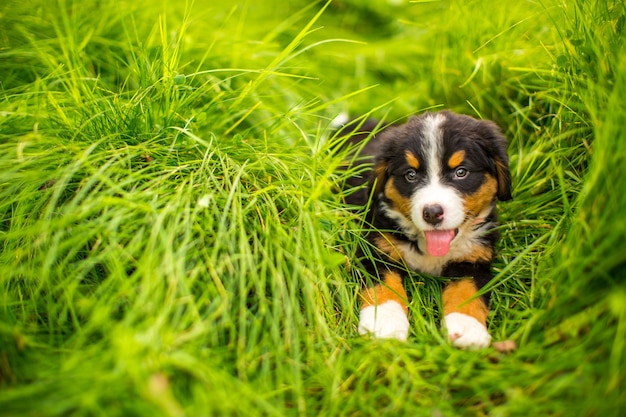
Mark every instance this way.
x=170 y=241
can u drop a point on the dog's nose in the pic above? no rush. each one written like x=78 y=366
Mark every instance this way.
x=433 y=214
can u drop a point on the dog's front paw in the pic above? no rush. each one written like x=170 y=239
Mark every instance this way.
x=384 y=321
x=466 y=332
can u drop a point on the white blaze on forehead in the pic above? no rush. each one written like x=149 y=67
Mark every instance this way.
x=433 y=138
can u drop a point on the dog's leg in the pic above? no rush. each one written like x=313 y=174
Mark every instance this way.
x=384 y=309
x=465 y=321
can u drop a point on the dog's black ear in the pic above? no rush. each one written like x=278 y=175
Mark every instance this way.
x=504 y=179
x=496 y=146
x=388 y=144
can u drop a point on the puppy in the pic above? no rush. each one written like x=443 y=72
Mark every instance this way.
x=433 y=190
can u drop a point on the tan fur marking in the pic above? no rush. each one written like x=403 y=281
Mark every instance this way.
x=482 y=198
x=455 y=298
x=479 y=253
x=400 y=203
x=379 y=172
x=390 y=290
x=456 y=159
x=412 y=160
x=388 y=244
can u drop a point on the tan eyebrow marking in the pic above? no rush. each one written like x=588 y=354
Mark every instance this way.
x=456 y=159
x=412 y=160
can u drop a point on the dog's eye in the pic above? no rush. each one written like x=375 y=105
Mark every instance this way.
x=461 y=172
x=410 y=175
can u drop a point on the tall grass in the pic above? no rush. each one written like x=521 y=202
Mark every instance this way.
x=171 y=241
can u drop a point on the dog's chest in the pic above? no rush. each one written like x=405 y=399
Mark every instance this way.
x=420 y=262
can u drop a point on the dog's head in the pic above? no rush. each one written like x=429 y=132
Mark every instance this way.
x=439 y=174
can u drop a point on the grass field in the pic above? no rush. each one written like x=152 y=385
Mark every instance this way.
x=170 y=241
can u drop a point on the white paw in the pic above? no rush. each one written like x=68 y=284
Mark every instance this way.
x=384 y=321
x=466 y=332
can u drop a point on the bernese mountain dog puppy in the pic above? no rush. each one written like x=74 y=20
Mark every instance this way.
x=431 y=207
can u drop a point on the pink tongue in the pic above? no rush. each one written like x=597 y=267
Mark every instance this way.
x=438 y=241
